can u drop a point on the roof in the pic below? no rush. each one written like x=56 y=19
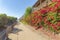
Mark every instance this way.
x=38 y=3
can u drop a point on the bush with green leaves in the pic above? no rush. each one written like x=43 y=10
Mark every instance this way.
x=3 y=20
x=11 y=20
x=6 y=20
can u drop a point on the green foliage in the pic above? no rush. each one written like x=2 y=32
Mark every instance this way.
x=28 y=11
x=26 y=16
x=11 y=20
x=47 y=17
x=52 y=4
x=3 y=19
x=51 y=29
x=51 y=15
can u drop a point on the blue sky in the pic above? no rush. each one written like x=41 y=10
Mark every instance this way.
x=15 y=8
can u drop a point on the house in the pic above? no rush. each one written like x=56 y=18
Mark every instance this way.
x=40 y=4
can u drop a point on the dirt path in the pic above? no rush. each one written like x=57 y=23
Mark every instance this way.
x=21 y=32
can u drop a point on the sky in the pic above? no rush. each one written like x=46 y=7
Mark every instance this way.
x=15 y=8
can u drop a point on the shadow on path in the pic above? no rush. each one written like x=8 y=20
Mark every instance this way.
x=16 y=30
x=9 y=39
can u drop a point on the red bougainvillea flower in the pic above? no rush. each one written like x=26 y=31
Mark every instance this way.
x=35 y=12
x=35 y=16
x=52 y=17
x=47 y=8
x=43 y=11
x=58 y=24
x=58 y=0
x=55 y=7
x=38 y=21
x=55 y=0
x=59 y=10
x=40 y=17
x=58 y=4
x=54 y=26
x=39 y=27
x=45 y=18
x=48 y=23
x=51 y=9
x=33 y=20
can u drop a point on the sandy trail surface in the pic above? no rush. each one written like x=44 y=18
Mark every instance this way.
x=21 y=32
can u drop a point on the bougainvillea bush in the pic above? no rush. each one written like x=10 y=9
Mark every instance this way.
x=47 y=17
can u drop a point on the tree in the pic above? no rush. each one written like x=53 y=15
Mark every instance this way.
x=11 y=20
x=28 y=11
x=3 y=20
